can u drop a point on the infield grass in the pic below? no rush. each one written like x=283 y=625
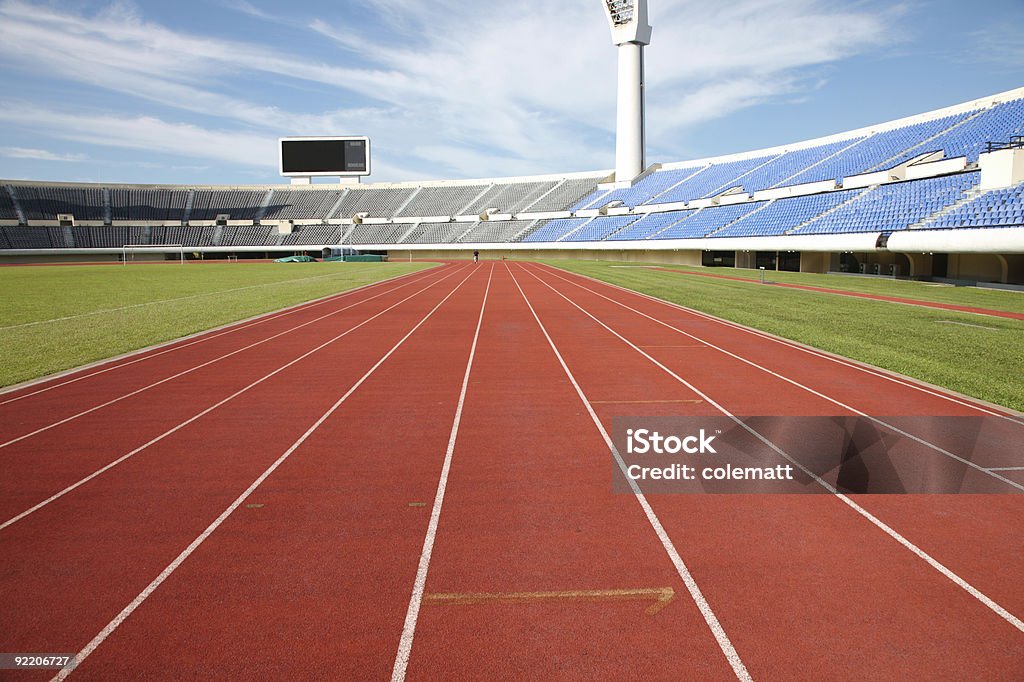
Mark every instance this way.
x=54 y=318
x=975 y=355
x=977 y=297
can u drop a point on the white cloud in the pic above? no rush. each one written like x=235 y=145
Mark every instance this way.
x=999 y=46
x=532 y=85
x=449 y=88
x=250 y=9
x=40 y=154
x=145 y=133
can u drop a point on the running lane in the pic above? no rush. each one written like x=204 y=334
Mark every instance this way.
x=538 y=571
x=804 y=585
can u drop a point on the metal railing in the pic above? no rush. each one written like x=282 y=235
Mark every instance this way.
x=1015 y=142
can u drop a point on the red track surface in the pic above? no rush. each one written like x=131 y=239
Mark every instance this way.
x=282 y=533
x=857 y=294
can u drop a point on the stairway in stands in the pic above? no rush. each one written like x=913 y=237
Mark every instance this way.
x=835 y=208
x=970 y=196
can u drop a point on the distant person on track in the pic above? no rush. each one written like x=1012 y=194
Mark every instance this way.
x=476 y=256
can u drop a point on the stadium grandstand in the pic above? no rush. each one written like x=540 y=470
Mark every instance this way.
x=940 y=194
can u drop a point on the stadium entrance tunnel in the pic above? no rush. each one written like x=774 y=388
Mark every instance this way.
x=786 y=261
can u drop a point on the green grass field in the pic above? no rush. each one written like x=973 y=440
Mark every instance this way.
x=993 y=299
x=977 y=356
x=57 y=317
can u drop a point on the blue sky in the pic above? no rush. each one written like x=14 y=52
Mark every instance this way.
x=199 y=92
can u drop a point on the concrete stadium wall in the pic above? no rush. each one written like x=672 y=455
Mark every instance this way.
x=56 y=257
x=979 y=267
x=690 y=257
x=985 y=267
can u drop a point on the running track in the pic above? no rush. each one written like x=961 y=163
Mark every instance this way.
x=413 y=480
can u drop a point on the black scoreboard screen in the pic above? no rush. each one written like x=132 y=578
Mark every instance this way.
x=325 y=156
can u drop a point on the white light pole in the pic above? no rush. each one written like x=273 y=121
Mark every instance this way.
x=630 y=32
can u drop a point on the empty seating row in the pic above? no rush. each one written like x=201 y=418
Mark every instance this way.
x=875 y=150
x=441 y=201
x=34 y=237
x=434 y=233
x=703 y=222
x=108 y=237
x=188 y=235
x=968 y=138
x=45 y=202
x=645 y=189
x=599 y=228
x=313 y=235
x=300 y=205
x=566 y=194
x=781 y=169
x=711 y=181
x=375 y=203
x=238 y=205
x=147 y=204
x=512 y=197
x=7 y=209
x=894 y=206
x=650 y=225
x=247 y=235
x=387 y=233
x=782 y=215
x=998 y=208
x=553 y=230
x=495 y=231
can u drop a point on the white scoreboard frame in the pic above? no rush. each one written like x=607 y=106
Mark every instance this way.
x=338 y=173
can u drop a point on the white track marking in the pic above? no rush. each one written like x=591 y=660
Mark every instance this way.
x=838 y=403
x=164 y=300
x=187 y=552
x=968 y=324
x=1015 y=418
x=1006 y=468
x=199 y=337
x=416 y=600
x=208 y=410
x=182 y=373
x=684 y=573
x=934 y=563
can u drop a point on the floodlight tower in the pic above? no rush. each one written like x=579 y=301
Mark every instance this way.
x=630 y=32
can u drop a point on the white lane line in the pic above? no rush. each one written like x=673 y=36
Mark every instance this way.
x=838 y=403
x=416 y=600
x=164 y=300
x=187 y=552
x=182 y=373
x=691 y=584
x=934 y=563
x=1014 y=418
x=143 y=354
x=208 y=410
x=1006 y=468
x=968 y=324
